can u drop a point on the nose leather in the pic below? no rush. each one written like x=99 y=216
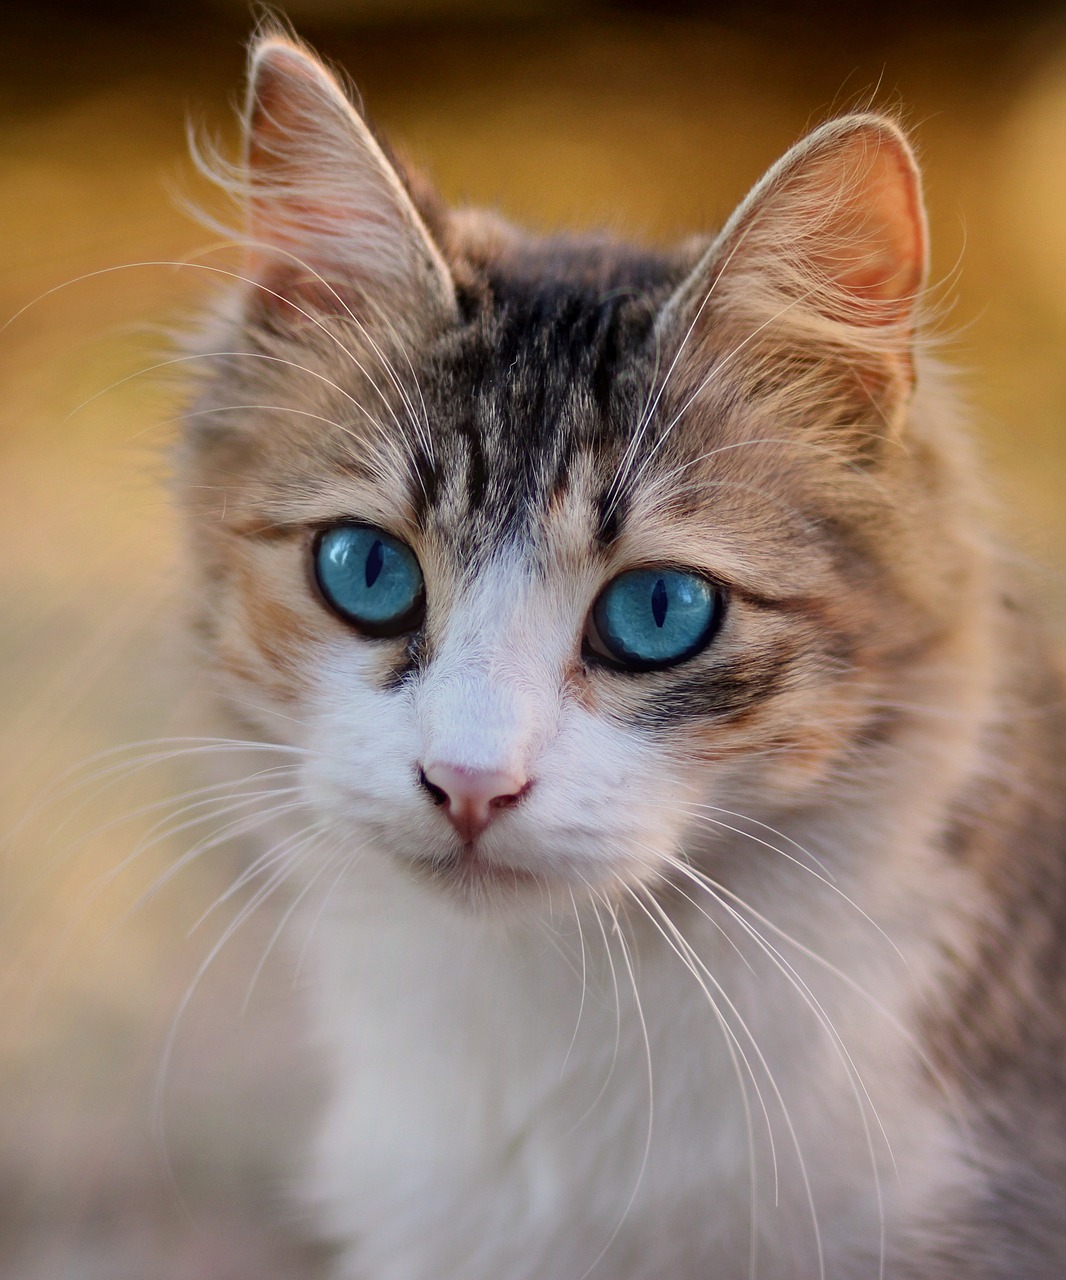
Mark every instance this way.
x=471 y=798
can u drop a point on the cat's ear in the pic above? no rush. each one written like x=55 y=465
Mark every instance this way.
x=826 y=258
x=331 y=224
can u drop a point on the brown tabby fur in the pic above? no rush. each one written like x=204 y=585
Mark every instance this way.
x=876 y=682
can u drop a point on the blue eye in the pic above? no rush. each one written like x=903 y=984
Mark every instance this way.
x=652 y=618
x=370 y=578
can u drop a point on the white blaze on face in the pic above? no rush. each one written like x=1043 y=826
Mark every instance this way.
x=490 y=698
x=496 y=699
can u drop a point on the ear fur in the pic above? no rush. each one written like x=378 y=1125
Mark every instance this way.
x=826 y=256
x=327 y=211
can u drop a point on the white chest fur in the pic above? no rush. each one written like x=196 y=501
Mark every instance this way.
x=492 y=1122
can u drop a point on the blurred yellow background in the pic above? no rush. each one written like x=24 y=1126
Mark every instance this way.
x=648 y=122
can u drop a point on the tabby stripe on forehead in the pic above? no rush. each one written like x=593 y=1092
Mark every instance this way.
x=477 y=470
x=605 y=328
x=564 y=464
x=610 y=513
x=425 y=485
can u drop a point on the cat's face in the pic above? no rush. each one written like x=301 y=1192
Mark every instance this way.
x=537 y=550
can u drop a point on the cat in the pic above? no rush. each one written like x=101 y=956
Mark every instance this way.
x=679 y=781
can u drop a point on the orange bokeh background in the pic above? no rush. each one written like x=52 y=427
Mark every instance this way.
x=647 y=123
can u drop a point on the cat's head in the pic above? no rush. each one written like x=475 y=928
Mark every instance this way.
x=534 y=547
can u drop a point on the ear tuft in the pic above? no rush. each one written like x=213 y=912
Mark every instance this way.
x=821 y=269
x=837 y=225
x=327 y=211
x=872 y=244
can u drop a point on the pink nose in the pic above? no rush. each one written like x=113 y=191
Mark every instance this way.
x=471 y=798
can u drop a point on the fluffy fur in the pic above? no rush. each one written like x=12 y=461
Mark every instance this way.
x=760 y=975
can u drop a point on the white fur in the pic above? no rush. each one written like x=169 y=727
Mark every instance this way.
x=540 y=1092
x=488 y=1122
x=607 y=1074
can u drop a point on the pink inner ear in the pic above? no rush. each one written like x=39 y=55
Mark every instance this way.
x=287 y=124
x=873 y=245
x=326 y=199
x=312 y=194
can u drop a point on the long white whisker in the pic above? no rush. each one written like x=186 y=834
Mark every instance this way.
x=102 y=882
x=166 y=829
x=421 y=426
x=851 y=1070
x=648 y=413
x=584 y=981
x=68 y=782
x=263 y=288
x=687 y=955
x=346 y=865
x=167 y=1052
x=715 y=371
x=218 y=795
x=300 y=852
x=822 y=875
x=628 y=961
x=239 y=355
x=786 y=1115
x=723 y=893
x=593 y=900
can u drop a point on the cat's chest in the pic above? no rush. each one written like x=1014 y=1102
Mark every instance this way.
x=563 y=1096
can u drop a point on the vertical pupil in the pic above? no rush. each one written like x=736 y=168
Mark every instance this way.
x=374 y=561
x=659 y=602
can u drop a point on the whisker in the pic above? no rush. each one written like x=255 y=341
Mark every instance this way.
x=593 y=900
x=68 y=782
x=98 y=781
x=715 y=371
x=230 y=833
x=628 y=961
x=854 y=1076
x=167 y=830
x=192 y=265
x=722 y=893
x=629 y=456
x=822 y=876
x=346 y=866
x=167 y=1051
x=265 y=711
x=779 y=1097
x=173 y=361
x=790 y=443
x=421 y=426
x=694 y=806
x=686 y=954
x=584 y=981
x=309 y=844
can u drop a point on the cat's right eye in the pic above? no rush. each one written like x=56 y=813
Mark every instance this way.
x=649 y=619
x=370 y=579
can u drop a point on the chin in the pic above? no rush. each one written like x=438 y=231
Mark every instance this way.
x=479 y=882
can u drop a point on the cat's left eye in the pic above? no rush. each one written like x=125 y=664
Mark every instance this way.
x=370 y=579
x=648 y=619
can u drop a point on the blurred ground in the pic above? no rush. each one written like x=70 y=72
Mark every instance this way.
x=646 y=123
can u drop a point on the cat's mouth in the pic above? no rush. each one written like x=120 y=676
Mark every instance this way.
x=469 y=872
